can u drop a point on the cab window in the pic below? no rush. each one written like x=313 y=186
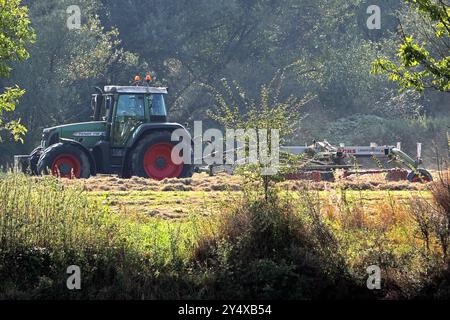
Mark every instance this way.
x=131 y=106
x=157 y=105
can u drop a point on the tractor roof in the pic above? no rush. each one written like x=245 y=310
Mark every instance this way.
x=136 y=89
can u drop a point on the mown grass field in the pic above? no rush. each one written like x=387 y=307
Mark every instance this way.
x=203 y=195
x=183 y=204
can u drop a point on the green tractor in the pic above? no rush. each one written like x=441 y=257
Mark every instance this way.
x=129 y=136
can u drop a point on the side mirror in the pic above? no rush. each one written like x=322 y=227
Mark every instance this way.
x=93 y=101
x=108 y=103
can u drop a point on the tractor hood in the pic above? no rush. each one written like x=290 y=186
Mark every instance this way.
x=81 y=129
x=86 y=133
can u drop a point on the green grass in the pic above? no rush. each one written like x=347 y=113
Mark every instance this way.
x=207 y=244
x=45 y=227
x=182 y=204
x=162 y=204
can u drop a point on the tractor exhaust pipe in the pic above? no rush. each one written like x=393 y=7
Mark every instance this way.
x=96 y=102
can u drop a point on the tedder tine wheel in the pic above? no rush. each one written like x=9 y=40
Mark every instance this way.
x=420 y=176
x=152 y=158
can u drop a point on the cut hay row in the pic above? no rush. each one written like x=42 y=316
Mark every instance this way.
x=223 y=182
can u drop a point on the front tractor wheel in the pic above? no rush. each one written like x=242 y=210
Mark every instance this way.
x=34 y=159
x=64 y=161
x=152 y=158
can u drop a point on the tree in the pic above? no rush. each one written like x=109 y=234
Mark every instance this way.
x=15 y=34
x=424 y=60
x=65 y=65
x=273 y=110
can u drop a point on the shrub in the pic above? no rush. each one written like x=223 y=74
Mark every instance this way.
x=269 y=250
x=439 y=221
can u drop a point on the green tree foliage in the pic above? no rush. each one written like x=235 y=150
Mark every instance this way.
x=64 y=66
x=248 y=41
x=15 y=34
x=273 y=110
x=184 y=43
x=236 y=109
x=424 y=60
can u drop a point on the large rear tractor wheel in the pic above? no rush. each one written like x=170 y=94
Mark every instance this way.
x=152 y=158
x=64 y=161
x=420 y=176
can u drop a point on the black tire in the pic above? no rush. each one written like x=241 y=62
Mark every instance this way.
x=34 y=158
x=52 y=153
x=139 y=152
x=420 y=176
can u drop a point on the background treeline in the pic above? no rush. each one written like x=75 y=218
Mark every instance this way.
x=185 y=43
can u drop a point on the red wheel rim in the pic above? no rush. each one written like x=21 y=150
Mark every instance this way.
x=66 y=166
x=158 y=162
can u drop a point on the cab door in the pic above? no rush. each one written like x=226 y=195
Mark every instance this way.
x=129 y=114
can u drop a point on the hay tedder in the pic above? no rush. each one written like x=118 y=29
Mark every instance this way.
x=319 y=162
x=322 y=159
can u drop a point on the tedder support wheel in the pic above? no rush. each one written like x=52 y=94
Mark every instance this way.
x=152 y=158
x=65 y=161
x=420 y=175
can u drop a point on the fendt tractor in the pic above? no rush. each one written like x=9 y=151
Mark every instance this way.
x=129 y=135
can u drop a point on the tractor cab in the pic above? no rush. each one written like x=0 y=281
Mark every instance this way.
x=145 y=103
x=125 y=108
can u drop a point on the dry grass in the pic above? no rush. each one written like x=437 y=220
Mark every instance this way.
x=224 y=182
x=200 y=182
